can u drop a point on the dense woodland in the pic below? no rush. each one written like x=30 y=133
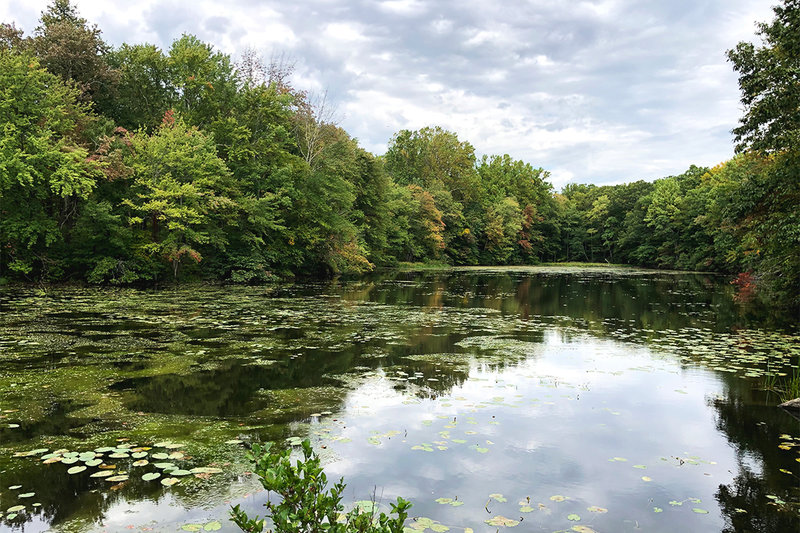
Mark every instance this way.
x=120 y=165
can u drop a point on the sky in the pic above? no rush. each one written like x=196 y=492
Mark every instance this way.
x=598 y=91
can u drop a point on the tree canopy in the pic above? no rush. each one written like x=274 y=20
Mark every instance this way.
x=134 y=163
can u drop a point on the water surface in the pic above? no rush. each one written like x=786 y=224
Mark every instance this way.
x=562 y=399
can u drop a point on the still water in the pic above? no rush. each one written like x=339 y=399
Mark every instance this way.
x=536 y=399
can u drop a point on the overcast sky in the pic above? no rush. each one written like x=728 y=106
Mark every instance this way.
x=593 y=91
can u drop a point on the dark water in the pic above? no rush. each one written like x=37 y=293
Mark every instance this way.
x=565 y=400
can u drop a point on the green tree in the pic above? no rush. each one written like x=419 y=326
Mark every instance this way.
x=44 y=165
x=433 y=158
x=323 y=216
x=770 y=83
x=204 y=81
x=180 y=192
x=255 y=139
x=144 y=92
x=770 y=87
x=503 y=224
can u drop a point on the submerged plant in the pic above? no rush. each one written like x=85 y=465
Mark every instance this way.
x=306 y=504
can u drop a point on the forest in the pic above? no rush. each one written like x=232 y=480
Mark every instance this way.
x=136 y=164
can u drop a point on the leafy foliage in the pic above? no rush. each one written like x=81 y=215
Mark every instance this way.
x=44 y=167
x=134 y=163
x=307 y=504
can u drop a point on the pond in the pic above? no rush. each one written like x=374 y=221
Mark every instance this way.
x=527 y=399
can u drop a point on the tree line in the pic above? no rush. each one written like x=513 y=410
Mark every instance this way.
x=129 y=164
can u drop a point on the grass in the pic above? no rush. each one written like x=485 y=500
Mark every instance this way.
x=786 y=388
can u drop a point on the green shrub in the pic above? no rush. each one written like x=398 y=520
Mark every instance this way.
x=306 y=504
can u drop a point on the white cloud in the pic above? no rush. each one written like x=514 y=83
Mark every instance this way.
x=343 y=32
x=403 y=7
x=602 y=91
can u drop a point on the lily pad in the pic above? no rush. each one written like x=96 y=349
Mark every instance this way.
x=573 y=517
x=192 y=527
x=499 y=521
x=213 y=526
x=76 y=469
x=699 y=511
x=121 y=477
x=150 y=476
x=170 y=481
x=596 y=509
x=93 y=462
x=103 y=473
x=27 y=495
x=206 y=470
x=15 y=509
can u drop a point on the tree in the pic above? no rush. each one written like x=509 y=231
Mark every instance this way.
x=204 y=81
x=503 y=224
x=255 y=140
x=180 y=193
x=11 y=37
x=769 y=79
x=313 y=114
x=144 y=92
x=433 y=158
x=69 y=47
x=44 y=165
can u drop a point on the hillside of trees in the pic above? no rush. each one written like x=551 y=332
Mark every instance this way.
x=128 y=164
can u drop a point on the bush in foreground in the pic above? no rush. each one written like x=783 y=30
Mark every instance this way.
x=306 y=504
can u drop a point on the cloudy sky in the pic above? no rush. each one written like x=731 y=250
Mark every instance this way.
x=600 y=91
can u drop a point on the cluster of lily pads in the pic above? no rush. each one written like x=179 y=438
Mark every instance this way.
x=527 y=506
x=214 y=525
x=12 y=512
x=749 y=353
x=103 y=462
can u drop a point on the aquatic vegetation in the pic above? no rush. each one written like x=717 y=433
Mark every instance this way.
x=508 y=384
